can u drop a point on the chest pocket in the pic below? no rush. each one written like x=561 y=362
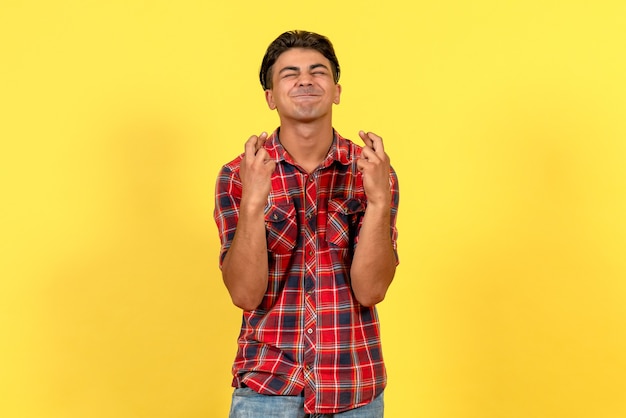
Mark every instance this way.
x=282 y=228
x=344 y=219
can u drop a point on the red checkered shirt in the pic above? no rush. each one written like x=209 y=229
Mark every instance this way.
x=309 y=334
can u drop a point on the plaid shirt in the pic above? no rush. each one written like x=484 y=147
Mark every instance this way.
x=309 y=334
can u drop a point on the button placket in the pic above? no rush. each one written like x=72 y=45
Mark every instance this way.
x=310 y=263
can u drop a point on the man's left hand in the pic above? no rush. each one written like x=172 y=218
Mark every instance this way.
x=375 y=167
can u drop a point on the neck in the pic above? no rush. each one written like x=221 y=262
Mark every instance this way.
x=307 y=143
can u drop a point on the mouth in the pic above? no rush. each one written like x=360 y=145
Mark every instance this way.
x=306 y=93
x=305 y=96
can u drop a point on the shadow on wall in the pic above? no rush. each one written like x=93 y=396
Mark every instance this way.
x=527 y=292
x=130 y=318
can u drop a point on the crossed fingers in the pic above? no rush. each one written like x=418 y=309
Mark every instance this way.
x=254 y=144
x=374 y=148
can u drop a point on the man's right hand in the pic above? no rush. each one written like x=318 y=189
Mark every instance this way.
x=256 y=171
x=245 y=266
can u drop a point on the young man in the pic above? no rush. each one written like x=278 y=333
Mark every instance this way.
x=307 y=224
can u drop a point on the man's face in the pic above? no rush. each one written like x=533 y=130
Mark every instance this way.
x=303 y=88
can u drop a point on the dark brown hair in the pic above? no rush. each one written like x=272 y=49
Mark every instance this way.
x=296 y=39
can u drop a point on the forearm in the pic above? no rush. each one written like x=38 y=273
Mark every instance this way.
x=374 y=261
x=245 y=268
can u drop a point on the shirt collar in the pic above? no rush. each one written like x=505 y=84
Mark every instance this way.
x=339 y=151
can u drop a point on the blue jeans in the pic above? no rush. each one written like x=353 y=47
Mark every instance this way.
x=249 y=404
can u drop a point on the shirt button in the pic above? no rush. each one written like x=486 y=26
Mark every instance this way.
x=310 y=331
x=311 y=253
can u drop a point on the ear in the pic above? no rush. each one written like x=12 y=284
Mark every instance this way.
x=337 y=97
x=269 y=98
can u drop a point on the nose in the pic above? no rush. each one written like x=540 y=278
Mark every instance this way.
x=305 y=79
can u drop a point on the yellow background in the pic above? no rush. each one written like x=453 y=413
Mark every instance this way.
x=505 y=120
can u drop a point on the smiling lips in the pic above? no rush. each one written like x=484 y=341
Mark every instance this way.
x=307 y=92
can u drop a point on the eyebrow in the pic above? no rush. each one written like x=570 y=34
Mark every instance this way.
x=297 y=69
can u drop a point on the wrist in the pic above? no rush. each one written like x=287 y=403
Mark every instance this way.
x=252 y=205
x=379 y=208
x=382 y=201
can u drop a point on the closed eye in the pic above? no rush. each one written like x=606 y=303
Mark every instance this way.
x=318 y=69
